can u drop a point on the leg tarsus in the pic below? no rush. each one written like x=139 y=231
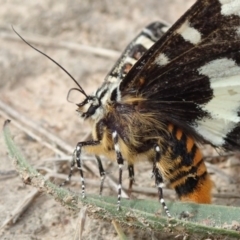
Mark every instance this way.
x=120 y=165
x=102 y=174
x=79 y=166
x=131 y=178
x=159 y=180
x=68 y=179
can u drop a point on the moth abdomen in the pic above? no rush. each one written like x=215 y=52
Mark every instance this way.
x=183 y=167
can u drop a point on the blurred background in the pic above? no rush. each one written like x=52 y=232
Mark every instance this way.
x=86 y=38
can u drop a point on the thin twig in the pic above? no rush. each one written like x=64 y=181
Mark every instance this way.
x=119 y=230
x=7 y=174
x=26 y=121
x=222 y=155
x=219 y=173
x=20 y=209
x=226 y=195
x=68 y=158
x=57 y=159
x=80 y=223
x=52 y=43
x=30 y=133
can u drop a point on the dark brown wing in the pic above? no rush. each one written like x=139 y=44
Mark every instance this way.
x=135 y=49
x=191 y=76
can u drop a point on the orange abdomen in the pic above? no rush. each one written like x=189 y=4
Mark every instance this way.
x=183 y=166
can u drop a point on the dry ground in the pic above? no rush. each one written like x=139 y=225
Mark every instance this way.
x=37 y=89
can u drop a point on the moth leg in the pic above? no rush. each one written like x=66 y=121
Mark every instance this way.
x=131 y=178
x=68 y=179
x=102 y=173
x=120 y=165
x=78 y=151
x=159 y=179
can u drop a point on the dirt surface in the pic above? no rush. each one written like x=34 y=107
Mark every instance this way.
x=37 y=89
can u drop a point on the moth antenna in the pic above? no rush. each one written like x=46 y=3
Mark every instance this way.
x=70 y=92
x=80 y=88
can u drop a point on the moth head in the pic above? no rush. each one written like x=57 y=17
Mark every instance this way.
x=88 y=106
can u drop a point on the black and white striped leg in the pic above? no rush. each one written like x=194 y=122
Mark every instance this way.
x=102 y=173
x=78 y=151
x=120 y=165
x=71 y=170
x=159 y=179
x=131 y=178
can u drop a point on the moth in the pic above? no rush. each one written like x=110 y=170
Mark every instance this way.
x=169 y=92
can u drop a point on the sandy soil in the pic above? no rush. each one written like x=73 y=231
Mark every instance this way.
x=37 y=89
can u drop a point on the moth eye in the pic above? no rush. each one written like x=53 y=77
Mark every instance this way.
x=91 y=110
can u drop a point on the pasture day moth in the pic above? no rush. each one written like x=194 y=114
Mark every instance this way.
x=172 y=89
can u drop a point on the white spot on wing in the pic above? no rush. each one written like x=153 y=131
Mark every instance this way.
x=112 y=79
x=130 y=60
x=161 y=59
x=238 y=31
x=215 y=130
x=224 y=1
x=145 y=41
x=220 y=68
x=226 y=101
x=151 y=34
x=189 y=33
x=224 y=76
x=230 y=7
x=165 y=29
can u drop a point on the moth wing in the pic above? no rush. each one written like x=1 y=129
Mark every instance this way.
x=191 y=76
x=135 y=49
